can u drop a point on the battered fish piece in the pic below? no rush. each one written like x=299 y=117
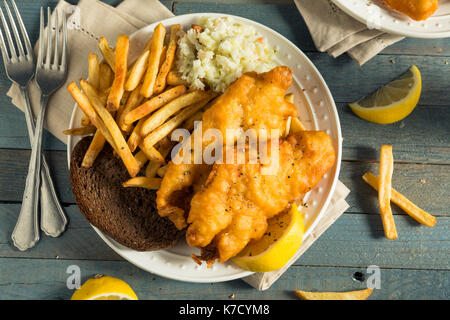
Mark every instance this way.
x=415 y=9
x=233 y=206
x=253 y=101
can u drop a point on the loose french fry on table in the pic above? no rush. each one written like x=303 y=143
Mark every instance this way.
x=153 y=104
x=161 y=78
x=166 y=128
x=162 y=114
x=137 y=71
x=89 y=110
x=154 y=58
x=120 y=72
x=143 y=182
x=107 y=53
x=384 y=191
x=122 y=147
x=96 y=146
x=405 y=204
x=80 y=131
x=350 y=295
x=174 y=79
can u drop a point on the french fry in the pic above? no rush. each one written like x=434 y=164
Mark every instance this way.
x=152 y=154
x=137 y=71
x=174 y=79
x=88 y=109
x=161 y=171
x=143 y=182
x=120 y=72
x=405 y=204
x=350 y=295
x=289 y=97
x=163 y=130
x=107 y=53
x=160 y=116
x=94 y=71
x=288 y=126
x=165 y=146
x=106 y=76
x=135 y=137
x=122 y=147
x=156 y=46
x=161 y=78
x=153 y=104
x=80 y=131
x=96 y=146
x=296 y=125
x=133 y=101
x=141 y=158
x=384 y=191
x=152 y=168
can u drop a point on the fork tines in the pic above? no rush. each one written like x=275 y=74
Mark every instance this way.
x=12 y=54
x=45 y=60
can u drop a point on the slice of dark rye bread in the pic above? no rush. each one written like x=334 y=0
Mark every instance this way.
x=128 y=215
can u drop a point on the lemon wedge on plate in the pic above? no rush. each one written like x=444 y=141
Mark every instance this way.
x=283 y=237
x=104 y=288
x=393 y=102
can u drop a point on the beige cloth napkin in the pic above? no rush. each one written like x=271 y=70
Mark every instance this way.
x=336 y=32
x=87 y=24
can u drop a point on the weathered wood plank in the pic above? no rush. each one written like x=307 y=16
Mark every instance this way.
x=423 y=136
x=353 y=240
x=46 y=279
x=407 y=179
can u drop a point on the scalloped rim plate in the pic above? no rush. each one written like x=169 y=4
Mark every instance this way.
x=317 y=111
x=437 y=26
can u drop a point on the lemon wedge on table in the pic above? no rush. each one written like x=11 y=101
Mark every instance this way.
x=393 y=102
x=283 y=237
x=104 y=288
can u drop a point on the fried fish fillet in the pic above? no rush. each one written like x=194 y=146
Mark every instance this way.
x=254 y=101
x=233 y=206
x=415 y=9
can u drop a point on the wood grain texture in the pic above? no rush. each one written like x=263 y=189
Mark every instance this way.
x=49 y=277
x=353 y=240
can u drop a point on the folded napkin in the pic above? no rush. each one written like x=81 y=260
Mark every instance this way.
x=336 y=32
x=84 y=31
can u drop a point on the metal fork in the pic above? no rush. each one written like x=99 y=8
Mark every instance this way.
x=20 y=70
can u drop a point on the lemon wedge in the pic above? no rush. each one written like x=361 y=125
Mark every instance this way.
x=283 y=237
x=393 y=102
x=104 y=288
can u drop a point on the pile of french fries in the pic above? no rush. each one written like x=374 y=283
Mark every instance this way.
x=135 y=107
x=386 y=194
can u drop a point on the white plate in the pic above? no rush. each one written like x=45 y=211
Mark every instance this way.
x=317 y=111
x=375 y=13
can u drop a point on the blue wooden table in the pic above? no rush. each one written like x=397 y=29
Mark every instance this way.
x=416 y=266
